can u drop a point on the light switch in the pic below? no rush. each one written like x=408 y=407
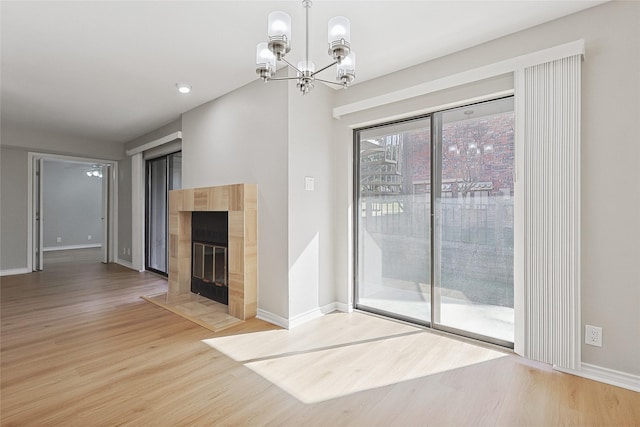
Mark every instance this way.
x=309 y=183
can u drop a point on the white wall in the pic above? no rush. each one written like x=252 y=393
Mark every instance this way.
x=242 y=137
x=72 y=205
x=311 y=237
x=610 y=152
x=124 y=210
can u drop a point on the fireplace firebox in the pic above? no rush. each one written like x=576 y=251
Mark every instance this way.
x=209 y=271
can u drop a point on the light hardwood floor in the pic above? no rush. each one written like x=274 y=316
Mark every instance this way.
x=80 y=348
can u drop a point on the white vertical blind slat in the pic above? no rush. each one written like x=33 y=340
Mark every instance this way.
x=551 y=210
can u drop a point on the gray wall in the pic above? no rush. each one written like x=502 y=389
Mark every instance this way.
x=13 y=208
x=72 y=205
x=610 y=210
x=311 y=233
x=16 y=143
x=51 y=143
x=165 y=130
x=242 y=137
x=124 y=188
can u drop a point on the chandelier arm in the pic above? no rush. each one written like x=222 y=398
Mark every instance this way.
x=324 y=68
x=329 y=82
x=283 y=78
x=290 y=65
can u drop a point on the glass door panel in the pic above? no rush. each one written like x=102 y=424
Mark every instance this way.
x=156 y=214
x=163 y=174
x=473 y=272
x=393 y=224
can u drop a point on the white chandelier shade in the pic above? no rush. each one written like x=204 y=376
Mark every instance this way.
x=347 y=68
x=265 y=58
x=279 y=45
x=279 y=25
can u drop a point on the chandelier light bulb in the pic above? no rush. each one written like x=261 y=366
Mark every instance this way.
x=348 y=64
x=265 y=61
x=304 y=66
x=346 y=70
x=339 y=29
x=279 y=25
x=264 y=57
x=279 y=33
x=339 y=37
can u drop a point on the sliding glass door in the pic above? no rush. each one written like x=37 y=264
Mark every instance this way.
x=163 y=174
x=434 y=222
x=393 y=219
x=474 y=216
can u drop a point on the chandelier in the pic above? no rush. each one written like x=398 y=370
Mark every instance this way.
x=94 y=172
x=279 y=44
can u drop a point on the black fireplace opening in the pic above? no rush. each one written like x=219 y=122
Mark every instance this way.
x=209 y=255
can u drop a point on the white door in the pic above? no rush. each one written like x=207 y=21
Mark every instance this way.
x=106 y=192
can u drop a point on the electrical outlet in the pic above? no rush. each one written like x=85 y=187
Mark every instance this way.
x=309 y=183
x=89 y=237
x=124 y=251
x=593 y=335
x=59 y=239
x=128 y=251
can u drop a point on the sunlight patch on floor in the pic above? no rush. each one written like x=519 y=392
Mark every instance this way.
x=341 y=354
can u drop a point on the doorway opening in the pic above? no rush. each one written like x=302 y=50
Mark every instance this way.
x=71 y=210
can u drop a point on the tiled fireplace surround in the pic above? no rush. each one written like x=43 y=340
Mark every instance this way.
x=240 y=201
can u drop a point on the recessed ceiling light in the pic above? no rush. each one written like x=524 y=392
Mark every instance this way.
x=183 y=87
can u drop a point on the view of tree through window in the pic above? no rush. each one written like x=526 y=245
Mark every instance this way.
x=473 y=214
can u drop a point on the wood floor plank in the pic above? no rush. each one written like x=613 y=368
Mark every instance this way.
x=79 y=347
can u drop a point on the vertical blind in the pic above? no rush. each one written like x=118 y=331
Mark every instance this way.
x=548 y=154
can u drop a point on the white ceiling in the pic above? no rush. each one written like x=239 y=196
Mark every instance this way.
x=106 y=70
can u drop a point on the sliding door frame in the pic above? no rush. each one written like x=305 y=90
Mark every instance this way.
x=356 y=219
x=435 y=118
x=148 y=211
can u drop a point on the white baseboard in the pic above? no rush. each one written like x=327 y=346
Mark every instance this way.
x=125 y=263
x=606 y=375
x=329 y=308
x=272 y=318
x=345 y=308
x=14 y=271
x=336 y=306
x=305 y=317
x=66 y=248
